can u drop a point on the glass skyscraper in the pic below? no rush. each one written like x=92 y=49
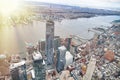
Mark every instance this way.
x=49 y=47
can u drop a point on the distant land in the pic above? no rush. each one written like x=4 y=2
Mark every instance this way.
x=58 y=11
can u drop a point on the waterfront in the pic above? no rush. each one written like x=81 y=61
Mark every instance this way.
x=13 y=39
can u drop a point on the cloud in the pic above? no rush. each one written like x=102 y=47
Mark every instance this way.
x=114 y=0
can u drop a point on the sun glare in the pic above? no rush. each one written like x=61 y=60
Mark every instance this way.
x=7 y=7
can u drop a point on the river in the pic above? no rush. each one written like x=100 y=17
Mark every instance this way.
x=13 y=39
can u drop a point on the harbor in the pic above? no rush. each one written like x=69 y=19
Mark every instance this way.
x=72 y=58
x=49 y=41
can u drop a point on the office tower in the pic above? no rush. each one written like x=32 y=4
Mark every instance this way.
x=49 y=46
x=69 y=58
x=15 y=74
x=68 y=43
x=41 y=46
x=38 y=66
x=18 y=71
x=61 y=58
x=30 y=50
x=23 y=73
x=56 y=42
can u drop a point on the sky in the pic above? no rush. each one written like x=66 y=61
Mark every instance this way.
x=111 y=4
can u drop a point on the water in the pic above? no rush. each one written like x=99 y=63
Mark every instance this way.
x=13 y=39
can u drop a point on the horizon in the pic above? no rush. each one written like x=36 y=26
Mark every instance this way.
x=99 y=4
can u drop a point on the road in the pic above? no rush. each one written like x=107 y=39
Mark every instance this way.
x=90 y=69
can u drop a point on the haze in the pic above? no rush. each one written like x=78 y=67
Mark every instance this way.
x=107 y=4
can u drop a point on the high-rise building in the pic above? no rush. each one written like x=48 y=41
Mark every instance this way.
x=15 y=74
x=30 y=50
x=18 y=71
x=68 y=43
x=41 y=46
x=49 y=46
x=56 y=42
x=61 y=58
x=38 y=66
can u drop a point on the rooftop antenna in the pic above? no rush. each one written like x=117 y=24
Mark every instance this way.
x=51 y=17
x=50 y=13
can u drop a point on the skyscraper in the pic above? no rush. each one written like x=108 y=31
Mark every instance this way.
x=49 y=46
x=18 y=71
x=61 y=58
x=38 y=66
